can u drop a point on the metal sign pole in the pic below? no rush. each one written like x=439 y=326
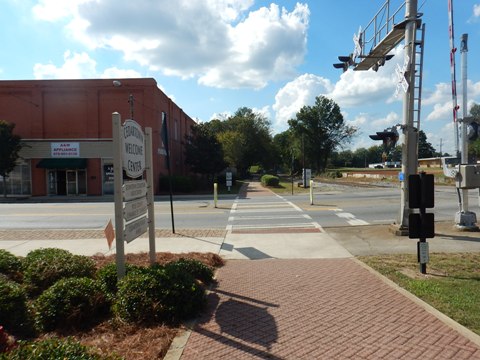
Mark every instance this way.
x=150 y=196
x=118 y=196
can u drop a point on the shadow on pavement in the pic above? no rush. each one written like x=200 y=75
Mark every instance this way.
x=253 y=254
x=458 y=237
x=245 y=323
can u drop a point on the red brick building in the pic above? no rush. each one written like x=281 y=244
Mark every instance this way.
x=66 y=126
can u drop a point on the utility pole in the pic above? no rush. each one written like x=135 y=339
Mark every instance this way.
x=464 y=219
x=383 y=34
x=409 y=147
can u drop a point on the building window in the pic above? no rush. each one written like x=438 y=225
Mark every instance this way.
x=18 y=181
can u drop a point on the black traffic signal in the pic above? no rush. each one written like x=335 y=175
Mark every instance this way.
x=346 y=62
x=381 y=62
x=389 y=136
x=472 y=131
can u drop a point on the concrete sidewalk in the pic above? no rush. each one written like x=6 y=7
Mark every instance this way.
x=90 y=242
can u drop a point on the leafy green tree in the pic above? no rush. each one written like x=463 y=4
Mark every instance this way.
x=474 y=146
x=203 y=151
x=425 y=149
x=375 y=154
x=287 y=151
x=396 y=153
x=246 y=139
x=475 y=111
x=232 y=145
x=320 y=129
x=359 y=158
x=10 y=145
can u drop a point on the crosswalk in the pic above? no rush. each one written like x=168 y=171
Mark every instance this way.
x=271 y=213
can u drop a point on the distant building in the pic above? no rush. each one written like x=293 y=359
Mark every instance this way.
x=430 y=162
x=66 y=126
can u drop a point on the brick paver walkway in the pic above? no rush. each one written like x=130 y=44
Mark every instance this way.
x=317 y=309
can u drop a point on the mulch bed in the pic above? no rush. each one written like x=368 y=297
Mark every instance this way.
x=136 y=342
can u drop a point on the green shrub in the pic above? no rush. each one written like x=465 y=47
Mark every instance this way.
x=182 y=184
x=107 y=277
x=14 y=314
x=270 y=180
x=53 y=349
x=158 y=295
x=70 y=303
x=10 y=265
x=183 y=295
x=334 y=174
x=197 y=269
x=44 y=267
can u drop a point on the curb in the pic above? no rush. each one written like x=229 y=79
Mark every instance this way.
x=175 y=350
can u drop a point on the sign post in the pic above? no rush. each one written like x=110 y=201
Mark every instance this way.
x=307 y=175
x=118 y=193
x=133 y=198
x=228 y=178
x=150 y=198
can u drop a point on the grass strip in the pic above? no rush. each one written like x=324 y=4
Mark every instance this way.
x=451 y=285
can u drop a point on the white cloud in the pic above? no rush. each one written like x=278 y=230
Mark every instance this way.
x=360 y=119
x=223 y=43
x=53 y=10
x=79 y=66
x=476 y=10
x=75 y=66
x=264 y=111
x=391 y=119
x=442 y=93
x=441 y=99
x=296 y=94
x=441 y=111
x=115 y=72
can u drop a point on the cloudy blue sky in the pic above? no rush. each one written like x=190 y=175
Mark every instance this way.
x=214 y=56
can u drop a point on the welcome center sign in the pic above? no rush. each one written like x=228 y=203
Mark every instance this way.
x=134 y=149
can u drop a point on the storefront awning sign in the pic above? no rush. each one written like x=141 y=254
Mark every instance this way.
x=65 y=149
x=133 y=149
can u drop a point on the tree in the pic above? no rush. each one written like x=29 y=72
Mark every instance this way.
x=284 y=150
x=203 y=152
x=232 y=144
x=246 y=140
x=10 y=145
x=425 y=149
x=475 y=111
x=320 y=130
x=474 y=146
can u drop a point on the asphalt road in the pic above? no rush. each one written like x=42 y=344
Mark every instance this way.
x=333 y=207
